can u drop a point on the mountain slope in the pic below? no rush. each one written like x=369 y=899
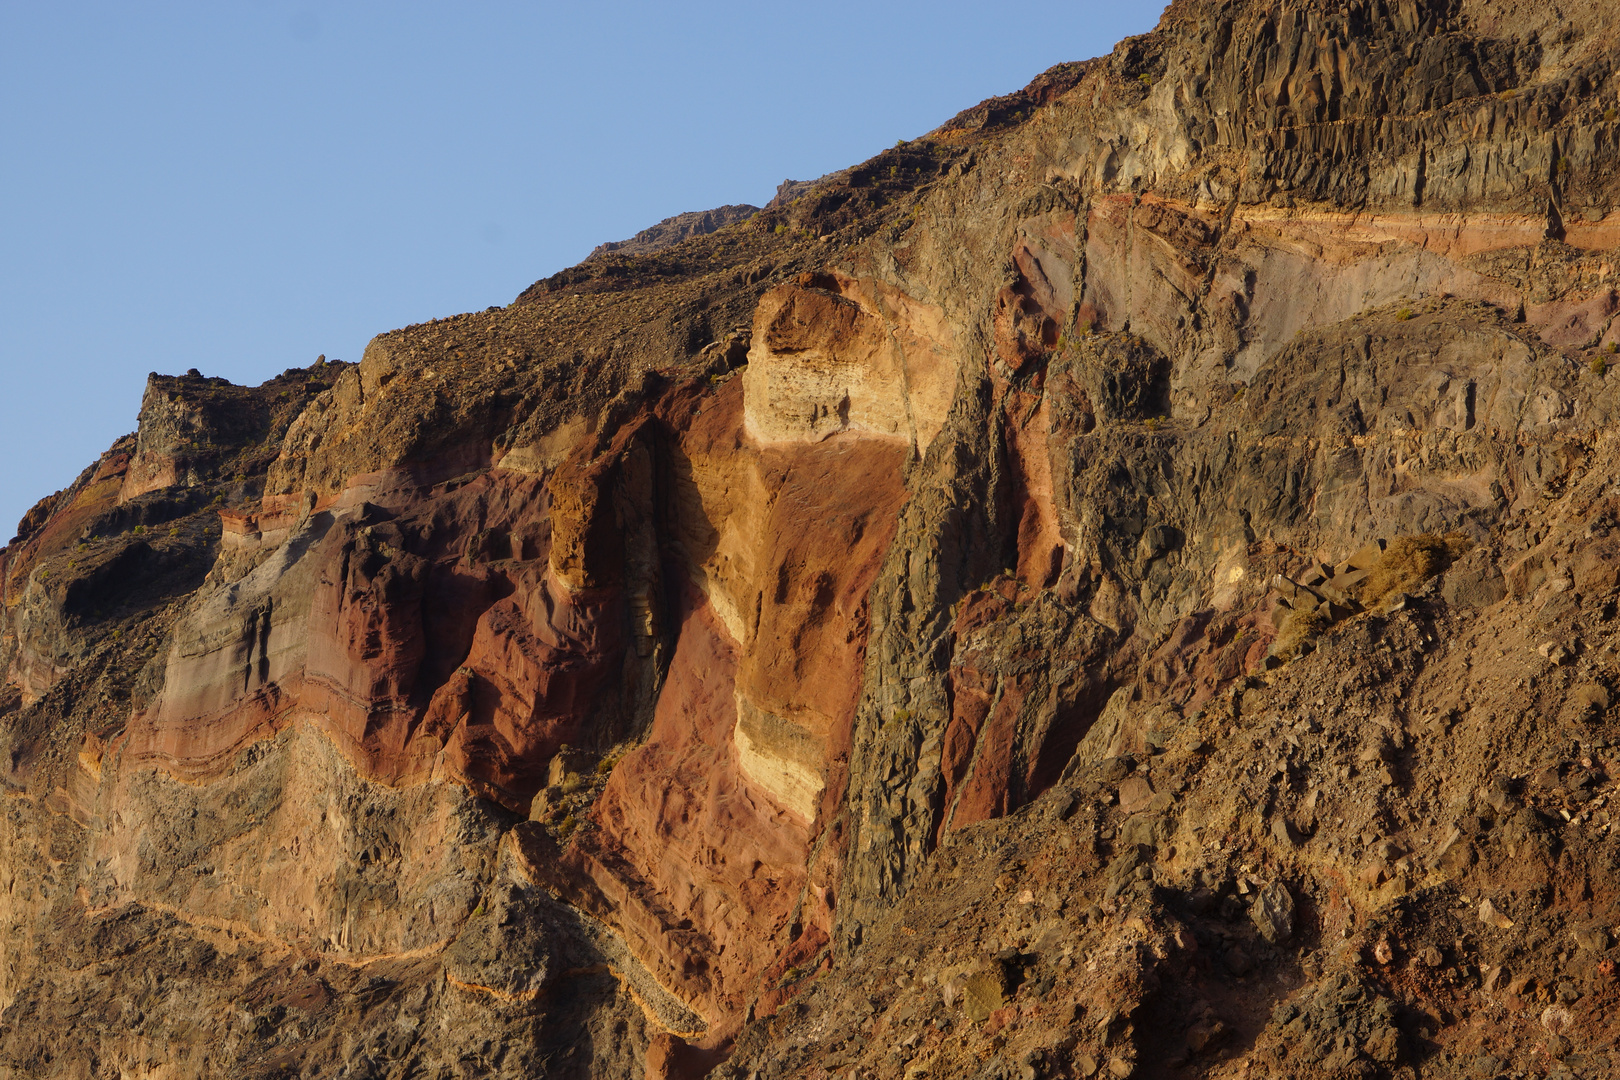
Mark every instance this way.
x=1124 y=584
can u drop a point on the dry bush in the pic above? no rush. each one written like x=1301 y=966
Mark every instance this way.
x=1408 y=562
x=1302 y=626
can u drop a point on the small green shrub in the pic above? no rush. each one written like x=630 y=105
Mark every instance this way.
x=566 y=827
x=1404 y=314
x=1600 y=366
x=139 y=530
x=1610 y=114
x=780 y=229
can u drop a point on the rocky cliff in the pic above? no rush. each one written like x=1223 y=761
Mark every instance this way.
x=1122 y=585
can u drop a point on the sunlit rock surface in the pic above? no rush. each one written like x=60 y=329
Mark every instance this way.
x=1122 y=585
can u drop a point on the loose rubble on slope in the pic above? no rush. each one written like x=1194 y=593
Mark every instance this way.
x=1124 y=585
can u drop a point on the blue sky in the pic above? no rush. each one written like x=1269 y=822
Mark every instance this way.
x=239 y=186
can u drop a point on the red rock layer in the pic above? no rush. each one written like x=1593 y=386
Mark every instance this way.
x=433 y=635
x=694 y=832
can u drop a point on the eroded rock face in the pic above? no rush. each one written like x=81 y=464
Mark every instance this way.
x=914 y=588
x=834 y=354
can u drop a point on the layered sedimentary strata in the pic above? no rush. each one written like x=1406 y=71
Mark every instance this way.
x=1101 y=586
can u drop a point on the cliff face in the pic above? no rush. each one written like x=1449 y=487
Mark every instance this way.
x=1123 y=584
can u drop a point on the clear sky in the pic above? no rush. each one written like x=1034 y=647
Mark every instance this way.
x=240 y=185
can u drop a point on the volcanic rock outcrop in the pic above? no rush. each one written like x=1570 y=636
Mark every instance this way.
x=1125 y=584
x=673 y=230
